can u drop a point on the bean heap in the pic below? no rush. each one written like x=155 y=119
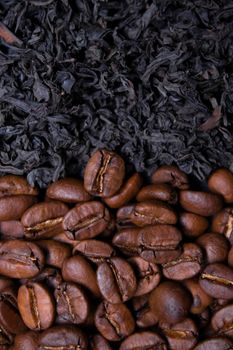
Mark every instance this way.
x=113 y=263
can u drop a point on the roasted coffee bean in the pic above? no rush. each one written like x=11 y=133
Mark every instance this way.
x=230 y=257
x=223 y=223
x=127 y=240
x=222 y=321
x=201 y=300
x=148 y=275
x=187 y=265
x=12 y=229
x=98 y=342
x=44 y=220
x=151 y=213
x=159 y=243
x=26 y=341
x=116 y=280
x=126 y=193
x=10 y=319
x=144 y=316
x=20 y=259
x=96 y=251
x=78 y=270
x=55 y=252
x=221 y=181
x=68 y=190
x=215 y=246
x=110 y=229
x=170 y=302
x=217 y=281
x=114 y=321
x=104 y=173
x=72 y=305
x=192 y=225
x=218 y=304
x=218 y=343
x=64 y=337
x=201 y=203
x=62 y=237
x=36 y=306
x=182 y=336
x=11 y=185
x=13 y=207
x=162 y=192
x=172 y=175
x=143 y=341
x=86 y=220
x=5 y=283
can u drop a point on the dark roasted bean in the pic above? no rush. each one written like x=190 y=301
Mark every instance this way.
x=68 y=190
x=36 y=306
x=192 y=225
x=127 y=240
x=98 y=342
x=221 y=181
x=55 y=252
x=104 y=173
x=201 y=300
x=116 y=280
x=219 y=343
x=26 y=341
x=11 y=185
x=187 y=265
x=143 y=341
x=12 y=229
x=44 y=220
x=223 y=223
x=162 y=192
x=222 y=321
x=201 y=203
x=217 y=281
x=170 y=302
x=96 y=251
x=20 y=259
x=172 y=175
x=126 y=193
x=215 y=246
x=86 y=220
x=13 y=207
x=114 y=321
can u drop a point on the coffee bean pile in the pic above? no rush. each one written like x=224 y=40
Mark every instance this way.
x=114 y=263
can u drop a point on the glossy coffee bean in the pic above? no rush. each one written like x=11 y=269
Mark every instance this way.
x=44 y=220
x=64 y=337
x=36 y=306
x=20 y=259
x=126 y=193
x=201 y=300
x=187 y=265
x=223 y=223
x=172 y=175
x=218 y=343
x=162 y=192
x=114 y=321
x=72 y=305
x=50 y=276
x=98 y=342
x=201 y=203
x=11 y=185
x=26 y=341
x=144 y=316
x=170 y=302
x=215 y=247
x=192 y=225
x=230 y=257
x=95 y=251
x=123 y=216
x=116 y=280
x=17 y=204
x=147 y=273
x=182 y=336
x=104 y=173
x=10 y=319
x=78 y=270
x=143 y=341
x=12 y=229
x=86 y=220
x=221 y=181
x=218 y=304
x=68 y=190
x=159 y=243
x=151 y=213
x=127 y=241
x=55 y=252
x=217 y=281
x=222 y=321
